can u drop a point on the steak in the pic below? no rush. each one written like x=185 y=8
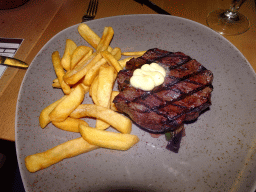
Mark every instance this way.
x=185 y=93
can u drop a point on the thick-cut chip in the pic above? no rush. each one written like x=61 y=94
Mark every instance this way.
x=94 y=70
x=85 y=59
x=111 y=60
x=107 y=76
x=123 y=61
x=117 y=53
x=73 y=76
x=106 y=139
x=68 y=104
x=116 y=120
x=69 y=49
x=56 y=154
x=70 y=124
x=135 y=53
x=60 y=72
x=93 y=90
x=106 y=38
x=56 y=84
x=78 y=55
x=44 y=118
x=89 y=35
x=113 y=95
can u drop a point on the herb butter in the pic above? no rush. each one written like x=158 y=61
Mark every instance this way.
x=148 y=77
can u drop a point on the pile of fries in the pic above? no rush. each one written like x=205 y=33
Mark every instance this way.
x=84 y=69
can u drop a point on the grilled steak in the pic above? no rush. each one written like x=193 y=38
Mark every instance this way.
x=185 y=93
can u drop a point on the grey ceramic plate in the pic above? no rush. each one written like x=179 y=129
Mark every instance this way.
x=215 y=155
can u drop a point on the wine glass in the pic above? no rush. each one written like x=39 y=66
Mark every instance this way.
x=228 y=21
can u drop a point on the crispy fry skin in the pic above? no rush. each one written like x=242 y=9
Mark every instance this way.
x=90 y=36
x=70 y=124
x=73 y=76
x=68 y=104
x=107 y=139
x=117 y=121
x=111 y=60
x=60 y=72
x=107 y=76
x=56 y=154
x=106 y=38
x=79 y=53
x=69 y=49
x=44 y=118
x=135 y=53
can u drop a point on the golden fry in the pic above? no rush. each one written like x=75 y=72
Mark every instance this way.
x=118 y=121
x=90 y=36
x=116 y=52
x=44 y=118
x=56 y=154
x=70 y=124
x=56 y=84
x=111 y=60
x=93 y=72
x=59 y=72
x=69 y=49
x=135 y=53
x=106 y=139
x=67 y=105
x=113 y=95
x=93 y=90
x=107 y=76
x=73 y=76
x=106 y=38
x=78 y=54
x=123 y=61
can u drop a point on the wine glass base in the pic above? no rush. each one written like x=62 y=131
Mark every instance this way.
x=218 y=21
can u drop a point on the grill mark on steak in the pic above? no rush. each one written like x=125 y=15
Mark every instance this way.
x=185 y=93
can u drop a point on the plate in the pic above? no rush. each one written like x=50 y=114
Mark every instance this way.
x=217 y=153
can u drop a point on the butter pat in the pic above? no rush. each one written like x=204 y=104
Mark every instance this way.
x=148 y=77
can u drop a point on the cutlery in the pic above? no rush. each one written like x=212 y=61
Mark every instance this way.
x=153 y=6
x=91 y=11
x=12 y=62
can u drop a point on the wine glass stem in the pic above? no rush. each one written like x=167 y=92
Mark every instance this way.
x=234 y=7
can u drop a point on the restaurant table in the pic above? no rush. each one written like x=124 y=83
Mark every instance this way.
x=37 y=21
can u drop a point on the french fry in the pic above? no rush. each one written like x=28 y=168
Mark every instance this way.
x=66 y=58
x=107 y=76
x=56 y=84
x=135 y=53
x=106 y=139
x=68 y=104
x=56 y=154
x=117 y=53
x=44 y=118
x=86 y=88
x=59 y=72
x=78 y=54
x=113 y=95
x=93 y=90
x=119 y=122
x=70 y=124
x=111 y=60
x=73 y=76
x=90 y=36
x=123 y=61
x=106 y=38
x=94 y=70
